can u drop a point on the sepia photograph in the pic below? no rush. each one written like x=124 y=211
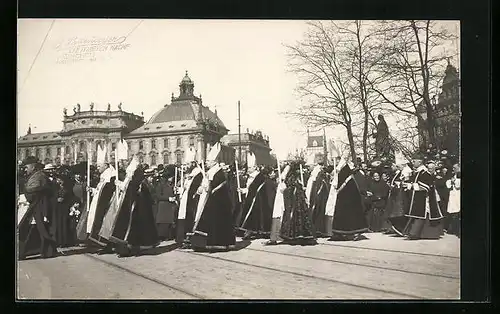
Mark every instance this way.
x=199 y=159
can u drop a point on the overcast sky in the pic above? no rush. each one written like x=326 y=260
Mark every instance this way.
x=227 y=60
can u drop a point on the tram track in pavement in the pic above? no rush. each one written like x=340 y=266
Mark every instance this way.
x=407 y=295
x=388 y=250
x=132 y=272
x=355 y=264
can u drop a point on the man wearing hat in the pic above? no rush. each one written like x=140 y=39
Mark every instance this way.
x=38 y=193
x=165 y=207
x=424 y=214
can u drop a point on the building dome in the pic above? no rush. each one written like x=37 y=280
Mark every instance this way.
x=187 y=79
x=184 y=110
x=182 y=114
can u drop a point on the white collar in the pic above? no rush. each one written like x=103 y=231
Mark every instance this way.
x=422 y=168
x=108 y=174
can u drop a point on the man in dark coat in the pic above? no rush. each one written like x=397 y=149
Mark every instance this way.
x=39 y=194
x=165 y=207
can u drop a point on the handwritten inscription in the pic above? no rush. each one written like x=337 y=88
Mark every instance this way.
x=89 y=49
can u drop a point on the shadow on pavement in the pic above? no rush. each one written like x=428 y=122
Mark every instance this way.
x=160 y=249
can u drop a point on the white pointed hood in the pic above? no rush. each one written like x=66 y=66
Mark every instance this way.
x=251 y=161
x=214 y=152
x=101 y=154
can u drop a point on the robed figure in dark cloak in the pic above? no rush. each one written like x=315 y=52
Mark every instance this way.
x=102 y=198
x=134 y=227
x=37 y=238
x=258 y=206
x=317 y=198
x=296 y=226
x=425 y=215
x=349 y=216
x=213 y=229
x=188 y=203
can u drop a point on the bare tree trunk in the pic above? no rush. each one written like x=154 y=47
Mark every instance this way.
x=350 y=138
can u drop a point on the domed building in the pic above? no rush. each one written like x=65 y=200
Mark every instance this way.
x=182 y=124
x=175 y=128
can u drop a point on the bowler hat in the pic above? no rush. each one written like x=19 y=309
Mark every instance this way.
x=30 y=160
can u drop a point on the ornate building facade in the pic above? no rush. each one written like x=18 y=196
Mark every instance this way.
x=183 y=124
x=447 y=113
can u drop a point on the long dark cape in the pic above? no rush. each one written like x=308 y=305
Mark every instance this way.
x=349 y=217
x=215 y=228
x=257 y=208
x=319 y=196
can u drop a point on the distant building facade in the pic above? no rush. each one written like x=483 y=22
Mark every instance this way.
x=183 y=124
x=316 y=147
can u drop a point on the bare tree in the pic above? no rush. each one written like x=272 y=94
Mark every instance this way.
x=325 y=83
x=411 y=67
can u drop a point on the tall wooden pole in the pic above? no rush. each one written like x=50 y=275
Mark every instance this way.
x=325 y=150
x=239 y=132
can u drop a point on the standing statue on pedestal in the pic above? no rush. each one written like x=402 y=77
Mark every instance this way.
x=382 y=144
x=65 y=112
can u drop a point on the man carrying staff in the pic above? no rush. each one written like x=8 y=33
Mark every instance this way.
x=38 y=193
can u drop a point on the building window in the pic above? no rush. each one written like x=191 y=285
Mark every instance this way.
x=153 y=160
x=113 y=146
x=166 y=160
x=166 y=143
x=66 y=151
x=37 y=152
x=141 y=145
x=47 y=151
x=179 y=142
x=26 y=152
x=178 y=157
x=58 y=151
x=191 y=141
x=82 y=146
x=153 y=144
